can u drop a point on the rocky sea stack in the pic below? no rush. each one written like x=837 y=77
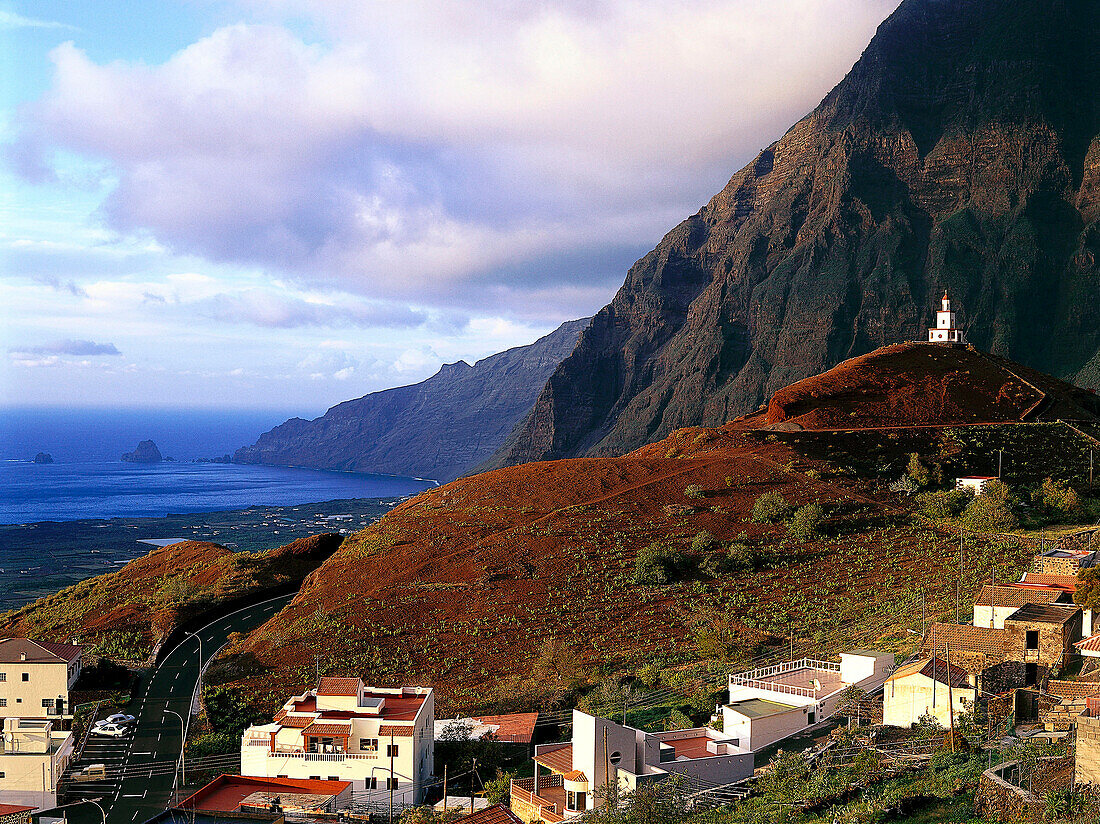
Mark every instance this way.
x=43 y=458
x=146 y=453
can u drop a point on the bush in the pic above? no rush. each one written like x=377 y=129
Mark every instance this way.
x=648 y=675
x=921 y=474
x=944 y=504
x=805 y=523
x=740 y=557
x=702 y=542
x=992 y=510
x=678 y=721
x=657 y=563
x=1058 y=498
x=693 y=491
x=770 y=508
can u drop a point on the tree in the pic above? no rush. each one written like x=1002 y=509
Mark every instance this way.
x=806 y=521
x=921 y=474
x=654 y=564
x=1059 y=499
x=993 y=510
x=499 y=789
x=430 y=815
x=740 y=557
x=946 y=503
x=1087 y=595
x=702 y=542
x=770 y=508
x=850 y=704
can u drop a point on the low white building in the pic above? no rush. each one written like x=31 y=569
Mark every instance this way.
x=769 y=704
x=33 y=757
x=975 y=483
x=36 y=677
x=926 y=687
x=380 y=739
x=995 y=603
x=604 y=753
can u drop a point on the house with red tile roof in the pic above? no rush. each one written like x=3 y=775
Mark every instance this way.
x=36 y=677
x=381 y=739
x=603 y=753
x=516 y=728
x=15 y=814
x=245 y=794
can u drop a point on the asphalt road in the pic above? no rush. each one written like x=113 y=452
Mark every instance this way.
x=142 y=767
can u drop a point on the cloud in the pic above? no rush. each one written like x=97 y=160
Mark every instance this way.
x=442 y=151
x=268 y=308
x=11 y=20
x=76 y=348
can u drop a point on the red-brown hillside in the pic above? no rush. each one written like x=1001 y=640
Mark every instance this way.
x=915 y=384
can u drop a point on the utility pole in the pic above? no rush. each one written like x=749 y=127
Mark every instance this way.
x=1090 y=469
x=607 y=769
x=950 y=699
x=445 y=790
x=1000 y=457
x=958 y=580
x=473 y=770
x=391 y=781
x=923 y=615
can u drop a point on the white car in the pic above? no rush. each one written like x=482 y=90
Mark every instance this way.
x=118 y=718
x=113 y=730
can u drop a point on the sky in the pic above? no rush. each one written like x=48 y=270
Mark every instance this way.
x=289 y=203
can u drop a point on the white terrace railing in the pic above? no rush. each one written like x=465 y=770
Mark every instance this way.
x=756 y=678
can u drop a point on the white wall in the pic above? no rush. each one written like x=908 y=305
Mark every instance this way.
x=905 y=700
x=756 y=733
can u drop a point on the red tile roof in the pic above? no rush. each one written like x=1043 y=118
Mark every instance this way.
x=1073 y=689
x=338 y=686
x=1066 y=582
x=516 y=728
x=226 y=792
x=298 y=721
x=1009 y=596
x=36 y=652
x=395 y=730
x=328 y=729
x=559 y=759
x=935 y=668
x=1090 y=644
x=965 y=638
x=279 y=716
x=13 y=809
x=496 y=814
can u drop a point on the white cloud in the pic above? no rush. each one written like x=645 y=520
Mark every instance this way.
x=448 y=152
x=11 y=20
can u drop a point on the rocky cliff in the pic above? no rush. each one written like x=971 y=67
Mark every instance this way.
x=437 y=428
x=960 y=151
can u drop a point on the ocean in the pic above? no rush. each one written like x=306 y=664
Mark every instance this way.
x=87 y=479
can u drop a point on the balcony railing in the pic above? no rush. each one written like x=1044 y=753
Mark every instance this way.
x=523 y=790
x=756 y=678
x=323 y=756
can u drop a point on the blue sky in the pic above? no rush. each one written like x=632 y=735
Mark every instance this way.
x=288 y=203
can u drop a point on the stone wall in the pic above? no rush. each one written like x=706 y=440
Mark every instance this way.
x=998 y=799
x=1054 y=641
x=1086 y=765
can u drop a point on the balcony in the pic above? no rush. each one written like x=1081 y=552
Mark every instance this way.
x=549 y=804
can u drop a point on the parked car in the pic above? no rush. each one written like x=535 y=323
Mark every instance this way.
x=93 y=772
x=113 y=730
x=120 y=718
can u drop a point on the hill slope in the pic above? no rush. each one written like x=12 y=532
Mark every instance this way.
x=961 y=151
x=437 y=428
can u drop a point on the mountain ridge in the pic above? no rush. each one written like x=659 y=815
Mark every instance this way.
x=437 y=428
x=960 y=151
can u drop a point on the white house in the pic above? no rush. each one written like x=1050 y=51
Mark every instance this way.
x=604 y=753
x=380 y=739
x=975 y=483
x=36 y=676
x=772 y=703
x=33 y=756
x=995 y=603
x=926 y=687
x=945 y=330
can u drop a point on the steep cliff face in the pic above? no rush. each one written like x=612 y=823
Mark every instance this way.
x=961 y=151
x=437 y=428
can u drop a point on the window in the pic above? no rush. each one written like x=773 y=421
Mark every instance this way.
x=3 y=702
x=315 y=778
x=392 y=783
x=282 y=776
x=811 y=717
x=371 y=783
x=26 y=676
x=47 y=703
x=3 y=676
x=576 y=801
x=18 y=700
x=615 y=758
x=334 y=778
x=391 y=750
x=1033 y=639
x=368 y=745
x=3 y=774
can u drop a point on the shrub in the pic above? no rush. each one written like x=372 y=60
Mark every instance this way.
x=657 y=563
x=992 y=510
x=740 y=557
x=647 y=675
x=922 y=474
x=805 y=523
x=693 y=491
x=945 y=503
x=678 y=721
x=904 y=485
x=1058 y=498
x=770 y=508
x=702 y=542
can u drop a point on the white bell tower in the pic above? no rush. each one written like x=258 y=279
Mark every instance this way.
x=945 y=331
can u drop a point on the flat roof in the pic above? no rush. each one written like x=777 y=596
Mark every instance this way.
x=759 y=707
x=226 y=792
x=1044 y=614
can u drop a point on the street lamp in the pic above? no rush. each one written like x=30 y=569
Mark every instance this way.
x=102 y=812
x=183 y=747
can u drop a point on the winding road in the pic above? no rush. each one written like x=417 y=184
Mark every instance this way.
x=142 y=767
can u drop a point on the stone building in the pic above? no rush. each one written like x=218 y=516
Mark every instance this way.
x=1086 y=764
x=1042 y=636
x=995 y=603
x=1063 y=561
